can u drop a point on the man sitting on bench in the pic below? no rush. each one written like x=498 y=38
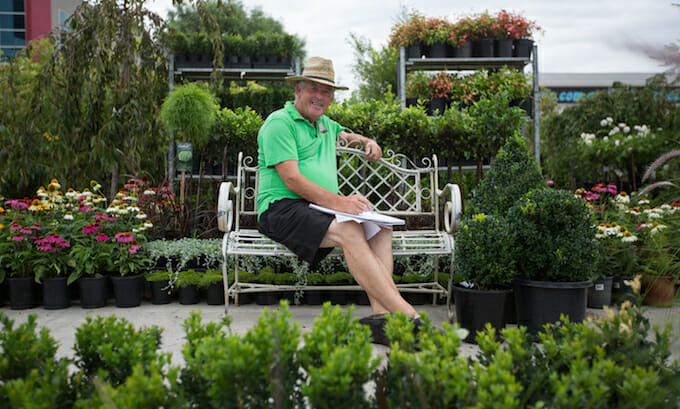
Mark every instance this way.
x=297 y=166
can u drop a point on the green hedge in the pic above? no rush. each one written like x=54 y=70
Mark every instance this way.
x=617 y=361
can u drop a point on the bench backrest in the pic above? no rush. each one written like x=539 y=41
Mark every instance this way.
x=394 y=184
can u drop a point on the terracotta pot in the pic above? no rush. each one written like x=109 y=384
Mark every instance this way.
x=659 y=291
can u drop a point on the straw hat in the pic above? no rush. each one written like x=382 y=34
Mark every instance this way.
x=319 y=70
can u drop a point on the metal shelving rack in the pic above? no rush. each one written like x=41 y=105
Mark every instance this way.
x=233 y=74
x=407 y=65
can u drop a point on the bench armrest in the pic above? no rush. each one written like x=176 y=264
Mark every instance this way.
x=225 y=206
x=453 y=207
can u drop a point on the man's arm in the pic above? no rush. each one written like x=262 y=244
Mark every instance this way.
x=372 y=149
x=310 y=191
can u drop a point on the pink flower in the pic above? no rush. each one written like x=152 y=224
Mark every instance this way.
x=124 y=237
x=102 y=237
x=86 y=209
x=15 y=226
x=91 y=228
x=133 y=248
x=550 y=183
x=18 y=237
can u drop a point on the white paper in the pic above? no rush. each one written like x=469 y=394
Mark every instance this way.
x=371 y=221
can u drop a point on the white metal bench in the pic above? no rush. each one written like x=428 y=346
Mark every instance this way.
x=394 y=185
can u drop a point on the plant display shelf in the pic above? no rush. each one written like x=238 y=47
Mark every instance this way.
x=406 y=65
x=236 y=74
x=460 y=64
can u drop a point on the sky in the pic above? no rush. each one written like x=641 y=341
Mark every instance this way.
x=578 y=36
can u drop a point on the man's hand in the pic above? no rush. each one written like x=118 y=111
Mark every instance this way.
x=354 y=204
x=373 y=151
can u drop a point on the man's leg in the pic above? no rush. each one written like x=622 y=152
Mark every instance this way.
x=368 y=263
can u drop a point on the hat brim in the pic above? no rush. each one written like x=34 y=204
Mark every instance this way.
x=295 y=78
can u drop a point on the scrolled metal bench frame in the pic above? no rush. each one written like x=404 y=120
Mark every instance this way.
x=395 y=185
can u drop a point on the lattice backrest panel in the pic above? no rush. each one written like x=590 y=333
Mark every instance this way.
x=394 y=184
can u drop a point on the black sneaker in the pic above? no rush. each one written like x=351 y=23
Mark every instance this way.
x=376 y=323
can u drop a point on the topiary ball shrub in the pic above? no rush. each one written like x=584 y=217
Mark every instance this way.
x=486 y=252
x=555 y=235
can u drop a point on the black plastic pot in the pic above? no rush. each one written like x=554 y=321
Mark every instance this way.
x=361 y=298
x=622 y=292
x=483 y=47
x=265 y=298
x=440 y=50
x=417 y=298
x=161 y=293
x=313 y=297
x=128 y=290
x=523 y=47
x=542 y=302
x=476 y=308
x=21 y=292
x=56 y=293
x=94 y=291
x=503 y=48
x=188 y=295
x=338 y=297
x=463 y=51
x=600 y=294
x=214 y=294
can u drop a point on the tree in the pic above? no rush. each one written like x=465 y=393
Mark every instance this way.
x=94 y=100
x=376 y=69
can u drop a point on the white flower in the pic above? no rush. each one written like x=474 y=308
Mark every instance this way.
x=614 y=131
x=148 y=224
x=609 y=120
x=129 y=199
x=140 y=216
x=644 y=201
x=626 y=129
x=622 y=125
x=657 y=228
x=617 y=142
x=587 y=138
x=149 y=192
x=605 y=139
x=604 y=123
x=629 y=239
x=68 y=216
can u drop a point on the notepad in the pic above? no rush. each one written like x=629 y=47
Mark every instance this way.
x=371 y=221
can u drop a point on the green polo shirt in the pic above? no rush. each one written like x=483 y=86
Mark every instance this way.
x=286 y=135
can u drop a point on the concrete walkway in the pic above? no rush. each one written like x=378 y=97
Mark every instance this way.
x=170 y=317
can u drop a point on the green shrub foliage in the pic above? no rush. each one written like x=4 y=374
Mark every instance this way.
x=556 y=235
x=617 y=361
x=513 y=173
x=110 y=348
x=486 y=252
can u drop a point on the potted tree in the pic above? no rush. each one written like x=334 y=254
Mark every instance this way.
x=189 y=111
x=558 y=254
x=486 y=254
x=410 y=34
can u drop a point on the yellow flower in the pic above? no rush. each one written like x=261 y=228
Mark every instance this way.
x=2 y=226
x=634 y=284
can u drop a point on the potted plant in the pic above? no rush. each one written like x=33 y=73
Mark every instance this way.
x=661 y=268
x=314 y=297
x=265 y=276
x=129 y=262
x=17 y=250
x=436 y=37
x=213 y=284
x=558 y=254
x=161 y=286
x=440 y=91
x=187 y=282
x=410 y=34
x=486 y=254
x=51 y=268
x=339 y=296
x=417 y=88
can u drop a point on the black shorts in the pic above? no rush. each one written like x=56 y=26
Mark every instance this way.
x=297 y=226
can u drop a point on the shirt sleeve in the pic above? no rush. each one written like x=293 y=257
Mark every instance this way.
x=278 y=143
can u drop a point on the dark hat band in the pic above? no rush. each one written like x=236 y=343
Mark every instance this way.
x=319 y=78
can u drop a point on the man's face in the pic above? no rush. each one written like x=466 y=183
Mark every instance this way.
x=313 y=99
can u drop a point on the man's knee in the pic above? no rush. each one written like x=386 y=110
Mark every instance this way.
x=346 y=234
